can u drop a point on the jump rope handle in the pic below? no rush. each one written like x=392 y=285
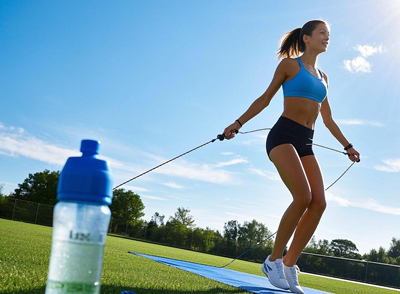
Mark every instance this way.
x=221 y=137
x=345 y=153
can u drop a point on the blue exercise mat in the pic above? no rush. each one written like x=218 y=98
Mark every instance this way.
x=248 y=282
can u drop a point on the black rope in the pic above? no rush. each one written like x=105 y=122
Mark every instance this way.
x=345 y=153
x=266 y=129
x=341 y=175
x=219 y=137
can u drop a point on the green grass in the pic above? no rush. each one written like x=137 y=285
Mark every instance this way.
x=25 y=253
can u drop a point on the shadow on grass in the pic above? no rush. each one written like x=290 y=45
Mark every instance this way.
x=140 y=290
x=105 y=289
x=108 y=289
x=117 y=290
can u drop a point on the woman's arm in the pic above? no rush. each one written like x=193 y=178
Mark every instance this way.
x=335 y=130
x=261 y=102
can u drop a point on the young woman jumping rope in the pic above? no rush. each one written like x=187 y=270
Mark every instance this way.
x=305 y=89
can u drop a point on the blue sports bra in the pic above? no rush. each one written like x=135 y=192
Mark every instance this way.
x=305 y=85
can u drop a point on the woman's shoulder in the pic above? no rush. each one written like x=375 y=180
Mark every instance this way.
x=290 y=66
x=289 y=62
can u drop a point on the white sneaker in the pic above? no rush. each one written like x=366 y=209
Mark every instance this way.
x=275 y=274
x=291 y=274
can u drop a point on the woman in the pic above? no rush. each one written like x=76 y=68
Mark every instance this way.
x=289 y=146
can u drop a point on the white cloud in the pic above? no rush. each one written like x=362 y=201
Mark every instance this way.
x=391 y=165
x=267 y=174
x=368 y=204
x=231 y=162
x=153 y=197
x=341 y=201
x=193 y=171
x=368 y=50
x=360 y=63
x=359 y=122
x=204 y=172
x=135 y=189
x=17 y=142
x=174 y=185
x=255 y=139
x=373 y=205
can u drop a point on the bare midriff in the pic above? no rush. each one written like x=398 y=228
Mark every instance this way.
x=301 y=110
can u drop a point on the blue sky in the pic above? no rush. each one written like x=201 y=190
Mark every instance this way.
x=153 y=79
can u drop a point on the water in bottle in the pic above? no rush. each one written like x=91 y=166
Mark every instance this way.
x=80 y=224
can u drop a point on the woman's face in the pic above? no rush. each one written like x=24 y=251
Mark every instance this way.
x=319 y=39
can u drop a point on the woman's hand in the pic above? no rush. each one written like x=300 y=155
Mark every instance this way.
x=353 y=154
x=231 y=130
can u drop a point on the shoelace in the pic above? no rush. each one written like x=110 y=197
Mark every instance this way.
x=279 y=267
x=295 y=271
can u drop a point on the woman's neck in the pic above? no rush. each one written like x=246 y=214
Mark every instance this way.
x=309 y=59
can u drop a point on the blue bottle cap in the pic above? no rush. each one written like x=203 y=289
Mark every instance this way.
x=85 y=178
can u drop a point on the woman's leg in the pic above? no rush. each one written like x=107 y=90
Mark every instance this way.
x=290 y=168
x=309 y=221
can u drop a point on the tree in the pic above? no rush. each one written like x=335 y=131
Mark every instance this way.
x=126 y=205
x=231 y=230
x=1 y=190
x=320 y=247
x=312 y=246
x=343 y=248
x=177 y=233
x=179 y=227
x=394 y=250
x=203 y=240
x=158 y=219
x=156 y=228
x=323 y=247
x=39 y=187
x=182 y=216
x=378 y=256
x=251 y=233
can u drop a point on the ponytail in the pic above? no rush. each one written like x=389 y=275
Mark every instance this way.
x=292 y=44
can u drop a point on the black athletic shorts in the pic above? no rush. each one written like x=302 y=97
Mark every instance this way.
x=287 y=131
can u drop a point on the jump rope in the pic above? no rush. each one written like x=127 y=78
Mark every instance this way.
x=221 y=137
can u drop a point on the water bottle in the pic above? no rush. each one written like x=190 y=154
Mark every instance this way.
x=80 y=224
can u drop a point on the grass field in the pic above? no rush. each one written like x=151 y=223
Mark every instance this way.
x=25 y=253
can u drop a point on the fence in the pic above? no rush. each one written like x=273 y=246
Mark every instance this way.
x=26 y=211
x=350 y=269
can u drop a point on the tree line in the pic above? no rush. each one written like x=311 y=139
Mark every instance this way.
x=180 y=230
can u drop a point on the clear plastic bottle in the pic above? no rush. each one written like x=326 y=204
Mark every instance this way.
x=80 y=224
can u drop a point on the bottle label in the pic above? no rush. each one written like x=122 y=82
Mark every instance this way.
x=77 y=236
x=85 y=237
x=72 y=287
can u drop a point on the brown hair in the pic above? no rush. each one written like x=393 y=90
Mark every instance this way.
x=292 y=43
